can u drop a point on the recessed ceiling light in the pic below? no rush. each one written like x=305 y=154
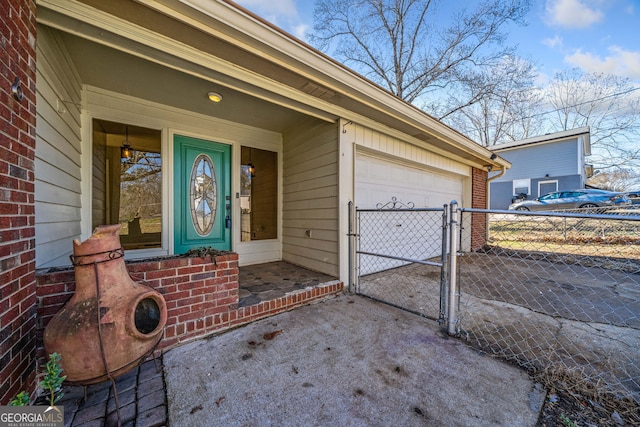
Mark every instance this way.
x=214 y=97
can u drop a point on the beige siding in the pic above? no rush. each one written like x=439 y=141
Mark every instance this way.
x=310 y=197
x=379 y=143
x=57 y=162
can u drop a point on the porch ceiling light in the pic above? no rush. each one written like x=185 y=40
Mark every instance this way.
x=214 y=97
x=125 y=150
x=252 y=168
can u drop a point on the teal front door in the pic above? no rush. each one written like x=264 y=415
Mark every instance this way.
x=202 y=194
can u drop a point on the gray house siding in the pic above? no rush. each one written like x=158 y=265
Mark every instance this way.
x=556 y=164
x=558 y=159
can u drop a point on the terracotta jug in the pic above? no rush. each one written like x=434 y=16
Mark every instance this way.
x=111 y=323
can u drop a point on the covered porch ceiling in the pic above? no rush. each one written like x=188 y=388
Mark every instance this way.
x=114 y=70
x=174 y=52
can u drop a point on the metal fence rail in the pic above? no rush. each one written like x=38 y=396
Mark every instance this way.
x=554 y=291
x=400 y=257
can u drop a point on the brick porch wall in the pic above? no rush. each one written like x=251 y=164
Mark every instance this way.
x=17 y=213
x=201 y=296
x=478 y=201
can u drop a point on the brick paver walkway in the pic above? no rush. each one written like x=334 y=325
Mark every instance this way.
x=141 y=396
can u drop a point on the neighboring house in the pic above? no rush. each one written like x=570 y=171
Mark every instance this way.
x=541 y=165
x=119 y=124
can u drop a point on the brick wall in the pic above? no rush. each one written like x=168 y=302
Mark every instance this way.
x=478 y=201
x=17 y=244
x=201 y=295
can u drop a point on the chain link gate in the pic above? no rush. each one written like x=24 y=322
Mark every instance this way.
x=398 y=256
x=558 y=293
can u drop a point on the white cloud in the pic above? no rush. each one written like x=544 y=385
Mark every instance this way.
x=620 y=62
x=273 y=8
x=300 y=31
x=629 y=10
x=282 y=13
x=572 y=13
x=553 y=43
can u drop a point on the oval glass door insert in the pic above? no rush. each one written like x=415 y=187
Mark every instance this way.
x=203 y=197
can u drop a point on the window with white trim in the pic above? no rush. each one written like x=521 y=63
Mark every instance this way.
x=521 y=186
x=127 y=182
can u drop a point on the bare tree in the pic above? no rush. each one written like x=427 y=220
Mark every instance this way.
x=609 y=105
x=411 y=47
x=615 y=180
x=140 y=186
x=503 y=114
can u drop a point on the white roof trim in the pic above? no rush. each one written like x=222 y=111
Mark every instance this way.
x=550 y=137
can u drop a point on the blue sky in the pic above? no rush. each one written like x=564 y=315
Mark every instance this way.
x=593 y=35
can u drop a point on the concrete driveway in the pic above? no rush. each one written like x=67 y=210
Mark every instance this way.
x=345 y=361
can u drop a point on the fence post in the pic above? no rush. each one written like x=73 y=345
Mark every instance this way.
x=452 y=301
x=352 y=247
x=443 y=271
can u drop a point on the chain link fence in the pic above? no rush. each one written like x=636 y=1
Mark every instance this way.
x=400 y=257
x=556 y=293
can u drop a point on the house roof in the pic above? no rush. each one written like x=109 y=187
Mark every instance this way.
x=222 y=43
x=550 y=137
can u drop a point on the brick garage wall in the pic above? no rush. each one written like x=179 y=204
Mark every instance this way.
x=17 y=230
x=201 y=296
x=478 y=201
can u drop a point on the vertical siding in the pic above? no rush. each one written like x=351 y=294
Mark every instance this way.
x=310 y=197
x=376 y=141
x=57 y=157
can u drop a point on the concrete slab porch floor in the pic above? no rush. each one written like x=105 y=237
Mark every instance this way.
x=347 y=361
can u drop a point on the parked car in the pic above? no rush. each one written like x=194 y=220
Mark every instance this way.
x=635 y=198
x=573 y=199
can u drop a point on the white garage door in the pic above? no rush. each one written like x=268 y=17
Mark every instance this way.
x=415 y=235
x=378 y=180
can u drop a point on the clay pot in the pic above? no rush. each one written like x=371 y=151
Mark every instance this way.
x=111 y=324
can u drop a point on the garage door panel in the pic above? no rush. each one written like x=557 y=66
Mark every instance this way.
x=377 y=182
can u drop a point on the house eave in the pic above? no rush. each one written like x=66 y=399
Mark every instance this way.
x=314 y=83
x=334 y=76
